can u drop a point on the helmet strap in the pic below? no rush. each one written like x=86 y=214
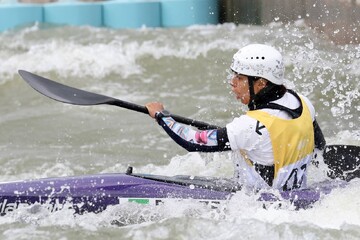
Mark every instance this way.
x=251 y=80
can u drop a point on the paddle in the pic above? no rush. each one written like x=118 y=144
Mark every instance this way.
x=343 y=160
x=66 y=94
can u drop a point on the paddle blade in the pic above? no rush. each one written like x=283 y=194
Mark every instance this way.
x=66 y=94
x=63 y=93
x=343 y=161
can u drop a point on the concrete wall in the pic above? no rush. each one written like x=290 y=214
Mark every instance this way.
x=338 y=19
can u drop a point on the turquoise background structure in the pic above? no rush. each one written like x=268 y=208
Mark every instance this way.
x=181 y=13
x=113 y=14
x=131 y=14
x=14 y=15
x=73 y=13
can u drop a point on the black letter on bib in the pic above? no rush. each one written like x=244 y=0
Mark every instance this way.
x=258 y=128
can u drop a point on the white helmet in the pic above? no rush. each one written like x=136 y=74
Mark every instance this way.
x=259 y=60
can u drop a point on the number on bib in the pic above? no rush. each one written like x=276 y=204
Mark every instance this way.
x=292 y=182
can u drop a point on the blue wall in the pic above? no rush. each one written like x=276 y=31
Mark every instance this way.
x=114 y=14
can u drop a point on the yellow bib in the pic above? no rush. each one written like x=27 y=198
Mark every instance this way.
x=292 y=139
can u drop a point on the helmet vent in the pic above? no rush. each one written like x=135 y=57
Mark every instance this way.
x=263 y=58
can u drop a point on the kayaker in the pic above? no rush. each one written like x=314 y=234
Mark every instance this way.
x=273 y=143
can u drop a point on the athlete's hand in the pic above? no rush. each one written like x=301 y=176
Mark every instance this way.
x=154 y=107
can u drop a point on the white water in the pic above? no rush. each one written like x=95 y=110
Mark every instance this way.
x=185 y=69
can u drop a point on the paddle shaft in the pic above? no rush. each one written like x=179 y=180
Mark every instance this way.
x=180 y=119
x=128 y=105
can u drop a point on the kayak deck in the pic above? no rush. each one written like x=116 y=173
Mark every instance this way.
x=210 y=183
x=94 y=193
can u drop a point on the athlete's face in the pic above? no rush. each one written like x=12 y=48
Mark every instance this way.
x=240 y=87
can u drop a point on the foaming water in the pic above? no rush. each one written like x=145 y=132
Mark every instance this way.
x=185 y=69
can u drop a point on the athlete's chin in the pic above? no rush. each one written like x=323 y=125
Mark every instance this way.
x=242 y=100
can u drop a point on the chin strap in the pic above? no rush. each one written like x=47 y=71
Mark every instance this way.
x=251 y=80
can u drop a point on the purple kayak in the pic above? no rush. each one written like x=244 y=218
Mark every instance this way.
x=94 y=193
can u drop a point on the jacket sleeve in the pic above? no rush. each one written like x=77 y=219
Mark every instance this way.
x=213 y=140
